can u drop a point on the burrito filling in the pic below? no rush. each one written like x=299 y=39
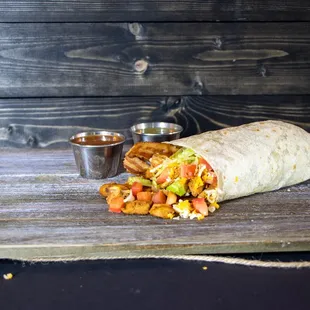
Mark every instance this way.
x=182 y=185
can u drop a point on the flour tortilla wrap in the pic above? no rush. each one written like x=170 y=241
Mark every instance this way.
x=253 y=158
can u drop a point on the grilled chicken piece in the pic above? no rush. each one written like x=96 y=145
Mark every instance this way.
x=112 y=188
x=137 y=207
x=135 y=165
x=137 y=158
x=162 y=210
x=157 y=159
x=145 y=150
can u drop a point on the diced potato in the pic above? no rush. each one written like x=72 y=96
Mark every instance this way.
x=171 y=198
x=162 y=210
x=144 y=196
x=149 y=174
x=137 y=207
x=109 y=188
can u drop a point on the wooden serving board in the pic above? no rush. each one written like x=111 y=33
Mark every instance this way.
x=48 y=212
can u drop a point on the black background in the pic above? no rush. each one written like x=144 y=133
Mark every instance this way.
x=155 y=284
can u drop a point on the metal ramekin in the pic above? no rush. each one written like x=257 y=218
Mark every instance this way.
x=98 y=161
x=156 y=137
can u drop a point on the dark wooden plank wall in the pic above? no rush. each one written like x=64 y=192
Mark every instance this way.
x=99 y=59
x=49 y=122
x=204 y=64
x=153 y=10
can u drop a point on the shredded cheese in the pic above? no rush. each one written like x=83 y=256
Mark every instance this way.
x=201 y=169
x=8 y=276
x=211 y=195
x=130 y=197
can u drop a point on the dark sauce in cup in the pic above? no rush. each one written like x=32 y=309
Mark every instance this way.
x=97 y=140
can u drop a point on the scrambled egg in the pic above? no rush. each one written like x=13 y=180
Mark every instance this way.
x=184 y=208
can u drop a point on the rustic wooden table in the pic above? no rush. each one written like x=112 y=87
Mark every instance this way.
x=48 y=212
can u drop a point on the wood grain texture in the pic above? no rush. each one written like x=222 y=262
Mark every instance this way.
x=50 y=122
x=153 y=10
x=47 y=211
x=101 y=59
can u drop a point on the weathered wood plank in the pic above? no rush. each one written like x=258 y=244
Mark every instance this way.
x=67 y=197
x=40 y=163
x=49 y=122
x=153 y=10
x=47 y=211
x=99 y=59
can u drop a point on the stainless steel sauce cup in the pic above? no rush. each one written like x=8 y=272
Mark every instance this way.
x=155 y=132
x=98 y=153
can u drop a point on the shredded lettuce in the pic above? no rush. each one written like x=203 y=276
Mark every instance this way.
x=144 y=182
x=184 y=155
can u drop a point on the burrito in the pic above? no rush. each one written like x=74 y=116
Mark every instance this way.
x=189 y=177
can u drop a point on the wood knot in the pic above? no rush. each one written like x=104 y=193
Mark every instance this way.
x=135 y=28
x=262 y=70
x=10 y=129
x=177 y=102
x=172 y=103
x=198 y=87
x=32 y=141
x=141 y=65
x=218 y=43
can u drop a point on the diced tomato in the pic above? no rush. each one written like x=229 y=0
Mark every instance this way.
x=159 y=197
x=200 y=205
x=204 y=162
x=116 y=204
x=187 y=171
x=136 y=187
x=163 y=176
x=144 y=196
x=171 y=198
